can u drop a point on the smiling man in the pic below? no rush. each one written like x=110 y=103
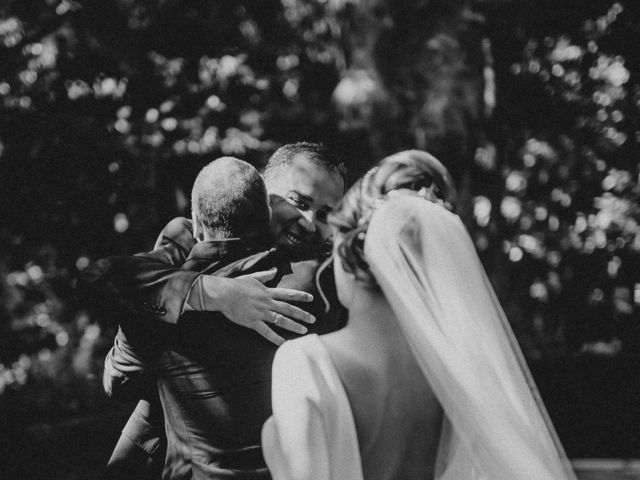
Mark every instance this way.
x=308 y=177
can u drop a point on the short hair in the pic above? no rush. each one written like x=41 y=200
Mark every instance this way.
x=229 y=198
x=316 y=152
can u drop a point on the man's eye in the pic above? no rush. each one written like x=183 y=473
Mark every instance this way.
x=296 y=202
x=322 y=216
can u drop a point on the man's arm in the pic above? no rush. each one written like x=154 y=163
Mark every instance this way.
x=141 y=285
x=139 y=453
x=152 y=285
x=137 y=285
x=126 y=371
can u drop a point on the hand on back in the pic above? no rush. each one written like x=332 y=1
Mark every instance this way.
x=247 y=302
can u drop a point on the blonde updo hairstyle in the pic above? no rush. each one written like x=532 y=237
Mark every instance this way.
x=413 y=172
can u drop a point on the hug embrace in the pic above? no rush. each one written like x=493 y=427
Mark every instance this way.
x=290 y=330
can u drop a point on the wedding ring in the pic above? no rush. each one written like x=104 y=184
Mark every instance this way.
x=276 y=318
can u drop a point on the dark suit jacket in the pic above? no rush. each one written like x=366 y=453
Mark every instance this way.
x=214 y=377
x=152 y=286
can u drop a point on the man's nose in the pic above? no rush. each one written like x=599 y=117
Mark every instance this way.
x=308 y=220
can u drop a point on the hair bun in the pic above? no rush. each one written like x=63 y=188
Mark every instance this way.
x=411 y=172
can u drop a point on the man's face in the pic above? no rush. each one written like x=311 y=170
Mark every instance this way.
x=302 y=196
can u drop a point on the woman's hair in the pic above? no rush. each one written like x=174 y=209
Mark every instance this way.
x=412 y=170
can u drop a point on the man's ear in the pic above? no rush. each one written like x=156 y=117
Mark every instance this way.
x=198 y=233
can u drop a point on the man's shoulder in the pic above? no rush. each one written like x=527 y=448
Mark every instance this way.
x=174 y=242
x=178 y=230
x=256 y=262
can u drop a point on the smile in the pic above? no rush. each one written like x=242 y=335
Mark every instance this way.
x=294 y=239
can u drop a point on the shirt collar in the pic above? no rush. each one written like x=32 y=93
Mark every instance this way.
x=214 y=249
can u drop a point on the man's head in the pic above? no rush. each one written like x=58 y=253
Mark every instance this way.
x=308 y=177
x=229 y=199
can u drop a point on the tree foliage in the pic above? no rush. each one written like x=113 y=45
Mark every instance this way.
x=109 y=109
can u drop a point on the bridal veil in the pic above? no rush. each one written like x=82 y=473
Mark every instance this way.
x=496 y=425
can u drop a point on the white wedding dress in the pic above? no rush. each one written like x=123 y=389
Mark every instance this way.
x=311 y=434
x=495 y=427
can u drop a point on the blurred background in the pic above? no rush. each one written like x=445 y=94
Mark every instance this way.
x=109 y=109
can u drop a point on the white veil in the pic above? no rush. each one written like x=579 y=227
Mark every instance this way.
x=496 y=426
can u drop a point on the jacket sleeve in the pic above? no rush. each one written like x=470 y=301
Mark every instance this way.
x=140 y=450
x=149 y=284
x=126 y=370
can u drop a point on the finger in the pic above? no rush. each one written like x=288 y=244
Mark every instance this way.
x=264 y=276
x=288 y=324
x=293 y=312
x=264 y=330
x=290 y=295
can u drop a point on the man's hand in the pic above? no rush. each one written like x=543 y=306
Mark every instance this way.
x=247 y=302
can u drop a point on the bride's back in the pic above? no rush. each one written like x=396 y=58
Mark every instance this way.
x=425 y=263
x=397 y=417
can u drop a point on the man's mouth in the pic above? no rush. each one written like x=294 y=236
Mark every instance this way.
x=301 y=246
x=294 y=239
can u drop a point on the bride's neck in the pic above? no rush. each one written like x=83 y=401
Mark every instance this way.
x=370 y=310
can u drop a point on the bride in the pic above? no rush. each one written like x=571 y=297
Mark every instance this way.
x=426 y=381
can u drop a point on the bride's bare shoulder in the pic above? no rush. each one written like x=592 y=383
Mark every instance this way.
x=355 y=365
